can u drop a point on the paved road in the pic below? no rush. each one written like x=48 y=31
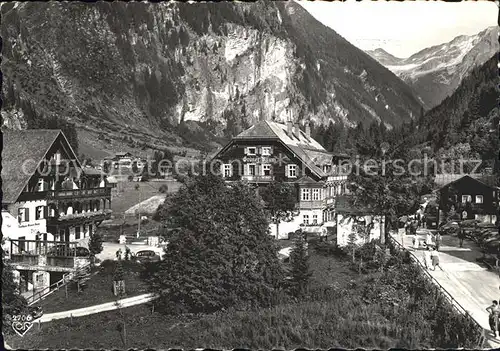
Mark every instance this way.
x=472 y=285
x=130 y=301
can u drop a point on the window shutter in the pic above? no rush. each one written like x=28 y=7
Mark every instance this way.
x=246 y=151
x=45 y=211
x=27 y=214
x=230 y=169
x=287 y=170
x=222 y=169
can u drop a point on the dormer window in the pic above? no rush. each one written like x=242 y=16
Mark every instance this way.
x=57 y=158
x=39 y=186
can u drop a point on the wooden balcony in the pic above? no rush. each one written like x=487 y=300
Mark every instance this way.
x=78 y=217
x=46 y=255
x=32 y=248
x=311 y=205
x=79 y=193
x=95 y=193
x=257 y=178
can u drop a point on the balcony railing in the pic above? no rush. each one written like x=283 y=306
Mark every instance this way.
x=314 y=204
x=34 y=248
x=257 y=178
x=78 y=193
x=95 y=215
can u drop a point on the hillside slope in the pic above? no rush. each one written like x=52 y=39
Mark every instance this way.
x=136 y=73
x=435 y=72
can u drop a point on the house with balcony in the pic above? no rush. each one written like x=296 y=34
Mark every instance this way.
x=472 y=197
x=50 y=206
x=270 y=151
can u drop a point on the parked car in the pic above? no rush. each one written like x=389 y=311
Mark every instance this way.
x=146 y=256
x=449 y=228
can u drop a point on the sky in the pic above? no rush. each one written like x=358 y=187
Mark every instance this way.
x=403 y=28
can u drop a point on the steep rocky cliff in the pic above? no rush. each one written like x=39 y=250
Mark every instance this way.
x=139 y=72
x=435 y=72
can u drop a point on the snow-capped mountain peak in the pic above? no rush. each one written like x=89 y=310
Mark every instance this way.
x=436 y=72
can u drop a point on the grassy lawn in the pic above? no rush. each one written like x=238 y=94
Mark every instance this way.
x=99 y=289
x=344 y=309
x=321 y=323
x=126 y=196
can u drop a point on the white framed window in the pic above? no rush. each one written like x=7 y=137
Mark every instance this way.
x=23 y=215
x=315 y=219
x=227 y=170
x=291 y=171
x=479 y=199
x=57 y=158
x=266 y=170
x=305 y=219
x=466 y=198
x=315 y=194
x=251 y=169
x=39 y=212
x=252 y=151
x=266 y=151
x=305 y=194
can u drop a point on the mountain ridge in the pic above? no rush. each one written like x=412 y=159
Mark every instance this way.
x=435 y=72
x=139 y=72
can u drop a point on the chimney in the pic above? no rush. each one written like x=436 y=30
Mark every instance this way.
x=308 y=129
x=296 y=129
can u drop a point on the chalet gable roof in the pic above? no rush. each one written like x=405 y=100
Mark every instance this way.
x=308 y=150
x=444 y=182
x=23 y=150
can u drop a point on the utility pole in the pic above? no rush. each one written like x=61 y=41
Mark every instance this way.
x=139 y=213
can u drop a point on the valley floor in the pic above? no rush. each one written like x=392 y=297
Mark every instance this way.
x=339 y=312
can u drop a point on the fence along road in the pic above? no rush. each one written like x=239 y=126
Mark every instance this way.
x=469 y=287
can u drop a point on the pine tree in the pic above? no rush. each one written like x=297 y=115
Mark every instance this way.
x=118 y=273
x=95 y=245
x=220 y=253
x=300 y=272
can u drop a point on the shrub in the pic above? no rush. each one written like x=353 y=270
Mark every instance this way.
x=163 y=188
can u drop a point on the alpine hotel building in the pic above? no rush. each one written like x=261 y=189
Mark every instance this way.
x=270 y=151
